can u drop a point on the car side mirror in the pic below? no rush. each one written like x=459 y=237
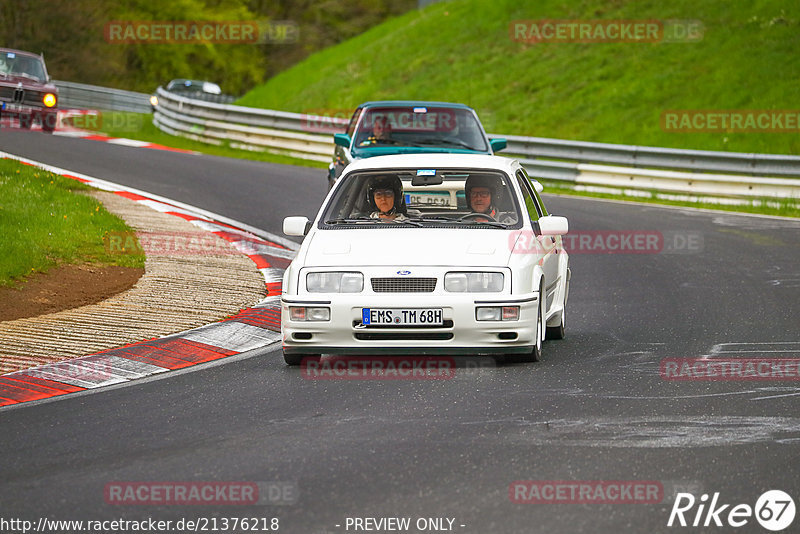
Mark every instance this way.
x=537 y=186
x=298 y=226
x=553 y=225
x=341 y=139
x=497 y=143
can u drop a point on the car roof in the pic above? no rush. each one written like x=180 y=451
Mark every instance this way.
x=408 y=103
x=23 y=52
x=434 y=161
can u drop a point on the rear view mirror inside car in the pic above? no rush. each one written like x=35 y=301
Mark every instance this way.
x=427 y=177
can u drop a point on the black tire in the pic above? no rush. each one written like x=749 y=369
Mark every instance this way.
x=49 y=122
x=557 y=332
x=535 y=354
x=296 y=359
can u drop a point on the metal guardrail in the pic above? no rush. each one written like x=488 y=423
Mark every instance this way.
x=81 y=96
x=638 y=167
x=644 y=156
x=247 y=128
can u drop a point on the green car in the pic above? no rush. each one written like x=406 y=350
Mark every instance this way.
x=407 y=127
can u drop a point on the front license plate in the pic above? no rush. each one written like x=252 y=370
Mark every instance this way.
x=14 y=108
x=402 y=316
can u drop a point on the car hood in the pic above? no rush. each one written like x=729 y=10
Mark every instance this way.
x=27 y=83
x=404 y=247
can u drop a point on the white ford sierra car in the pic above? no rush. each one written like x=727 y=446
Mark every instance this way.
x=431 y=254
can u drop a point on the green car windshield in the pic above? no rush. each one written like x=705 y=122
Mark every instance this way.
x=440 y=128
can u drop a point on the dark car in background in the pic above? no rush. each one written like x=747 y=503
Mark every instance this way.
x=196 y=89
x=25 y=90
x=406 y=127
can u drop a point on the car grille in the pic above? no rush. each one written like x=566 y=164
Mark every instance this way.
x=16 y=95
x=403 y=285
x=404 y=336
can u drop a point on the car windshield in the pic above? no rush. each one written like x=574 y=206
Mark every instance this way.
x=193 y=86
x=13 y=64
x=420 y=126
x=426 y=198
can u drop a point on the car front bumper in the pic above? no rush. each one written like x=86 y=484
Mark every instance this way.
x=461 y=333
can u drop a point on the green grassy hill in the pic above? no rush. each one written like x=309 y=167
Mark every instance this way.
x=462 y=51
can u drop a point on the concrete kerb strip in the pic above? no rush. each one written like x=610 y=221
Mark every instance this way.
x=250 y=329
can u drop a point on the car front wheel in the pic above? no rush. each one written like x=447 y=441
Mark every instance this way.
x=296 y=359
x=558 y=332
x=535 y=354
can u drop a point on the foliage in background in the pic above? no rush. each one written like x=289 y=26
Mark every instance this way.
x=70 y=33
x=606 y=92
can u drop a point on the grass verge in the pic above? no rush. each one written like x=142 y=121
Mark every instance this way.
x=613 y=92
x=44 y=223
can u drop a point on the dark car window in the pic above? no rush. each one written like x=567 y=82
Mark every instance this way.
x=427 y=206
x=351 y=127
x=420 y=126
x=531 y=204
x=528 y=180
x=14 y=64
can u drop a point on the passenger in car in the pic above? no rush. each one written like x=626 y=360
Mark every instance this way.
x=483 y=193
x=385 y=198
x=381 y=132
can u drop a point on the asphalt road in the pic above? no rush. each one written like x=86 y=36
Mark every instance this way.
x=595 y=409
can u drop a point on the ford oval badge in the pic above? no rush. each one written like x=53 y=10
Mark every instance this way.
x=403 y=273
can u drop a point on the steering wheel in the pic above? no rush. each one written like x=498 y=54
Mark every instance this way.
x=476 y=215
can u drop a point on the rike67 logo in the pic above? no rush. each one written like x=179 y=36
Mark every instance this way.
x=774 y=510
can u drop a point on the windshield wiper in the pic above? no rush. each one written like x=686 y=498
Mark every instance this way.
x=455 y=142
x=26 y=75
x=490 y=223
x=350 y=220
x=412 y=222
x=436 y=218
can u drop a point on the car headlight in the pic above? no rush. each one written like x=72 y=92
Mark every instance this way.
x=49 y=100
x=335 y=282
x=154 y=100
x=497 y=313
x=303 y=313
x=473 y=282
